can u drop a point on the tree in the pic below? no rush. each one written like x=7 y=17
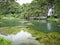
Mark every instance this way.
x=57 y=7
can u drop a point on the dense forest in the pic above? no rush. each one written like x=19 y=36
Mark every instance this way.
x=35 y=9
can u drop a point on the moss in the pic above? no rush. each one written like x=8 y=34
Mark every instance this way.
x=52 y=38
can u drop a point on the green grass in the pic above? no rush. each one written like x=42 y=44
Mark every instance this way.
x=54 y=19
x=4 y=42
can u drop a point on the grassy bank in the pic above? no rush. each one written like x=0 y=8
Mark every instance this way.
x=4 y=42
x=54 y=19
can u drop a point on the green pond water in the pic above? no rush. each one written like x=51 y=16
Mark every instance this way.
x=11 y=26
x=44 y=31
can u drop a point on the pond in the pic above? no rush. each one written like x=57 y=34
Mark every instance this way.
x=35 y=32
x=44 y=26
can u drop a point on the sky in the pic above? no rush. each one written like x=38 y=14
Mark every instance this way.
x=21 y=2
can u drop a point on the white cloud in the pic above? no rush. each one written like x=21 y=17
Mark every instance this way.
x=23 y=1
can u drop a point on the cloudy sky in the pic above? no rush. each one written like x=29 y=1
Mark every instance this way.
x=23 y=1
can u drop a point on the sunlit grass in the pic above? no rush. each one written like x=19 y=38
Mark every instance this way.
x=54 y=19
x=4 y=41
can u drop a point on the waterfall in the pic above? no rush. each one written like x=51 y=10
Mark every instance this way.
x=20 y=35
x=50 y=12
x=21 y=38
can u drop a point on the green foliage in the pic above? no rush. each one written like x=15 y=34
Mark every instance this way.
x=1 y=16
x=9 y=7
x=35 y=9
x=4 y=42
x=57 y=7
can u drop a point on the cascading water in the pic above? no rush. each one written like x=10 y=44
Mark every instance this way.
x=21 y=38
x=50 y=12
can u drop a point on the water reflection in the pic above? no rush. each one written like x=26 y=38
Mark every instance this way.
x=49 y=26
x=21 y=38
x=43 y=21
x=44 y=26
